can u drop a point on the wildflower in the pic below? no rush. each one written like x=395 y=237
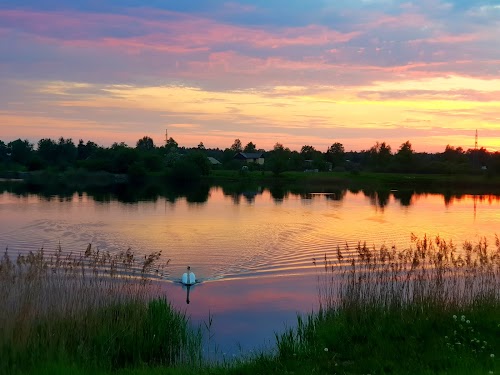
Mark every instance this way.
x=491 y=372
x=326 y=349
x=468 y=322
x=485 y=343
x=463 y=318
x=455 y=317
x=492 y=355
x=446 y=337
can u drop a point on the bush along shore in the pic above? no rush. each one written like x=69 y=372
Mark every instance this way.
x=430 y=309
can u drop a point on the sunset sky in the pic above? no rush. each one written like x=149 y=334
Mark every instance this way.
x=296 y=72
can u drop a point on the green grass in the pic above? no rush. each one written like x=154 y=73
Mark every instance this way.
x=94 y=311
x=430 y=309
x=323 y=181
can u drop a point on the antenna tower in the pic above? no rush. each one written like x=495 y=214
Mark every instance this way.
x=475 y=157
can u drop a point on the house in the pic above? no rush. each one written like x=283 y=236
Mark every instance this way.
x=250 y=157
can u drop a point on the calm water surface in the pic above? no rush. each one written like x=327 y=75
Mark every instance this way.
x=255 y=253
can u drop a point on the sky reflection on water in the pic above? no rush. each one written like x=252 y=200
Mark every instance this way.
x=255 y=252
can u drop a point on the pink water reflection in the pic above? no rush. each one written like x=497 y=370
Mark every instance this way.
x=256 y=256
x=247 y=312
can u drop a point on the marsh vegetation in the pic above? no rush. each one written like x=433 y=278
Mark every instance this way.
x=431 y=308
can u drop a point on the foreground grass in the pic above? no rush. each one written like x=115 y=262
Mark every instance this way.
x=430 y=309
x=94 y=311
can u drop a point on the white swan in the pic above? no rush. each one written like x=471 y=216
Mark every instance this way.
x=188 y=278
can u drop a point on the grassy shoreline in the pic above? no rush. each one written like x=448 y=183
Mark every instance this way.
x=373 y=180
x=429 y=309
x=82 y=178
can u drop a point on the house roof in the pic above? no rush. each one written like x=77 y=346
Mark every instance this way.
x=213 y=161
x=249 y=155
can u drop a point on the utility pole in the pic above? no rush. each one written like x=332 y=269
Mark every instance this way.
x=166 y=136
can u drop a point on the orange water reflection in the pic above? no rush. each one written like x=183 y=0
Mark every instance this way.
x=260 y=236
x=255 y=252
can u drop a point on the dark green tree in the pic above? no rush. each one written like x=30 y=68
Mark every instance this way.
x=21 y=151
x=279 y=159
x=236 y=146
x=47 y=150
x=145 y=144
x=335 y=153
x=405 y=157
x=201 y=161
x=380 y=155
x=250 y=147
x=308 y=152
x=171 y=145
x=66 y=151
x=3 y=152
x=84 y=151
x=122 y=158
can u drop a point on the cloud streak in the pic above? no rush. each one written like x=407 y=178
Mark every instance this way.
x=323 y=73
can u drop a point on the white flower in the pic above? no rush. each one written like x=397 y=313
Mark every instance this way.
x=463 y=318
x=492 y=355
x=326 y=349
x=455 y=317
x=468 y=322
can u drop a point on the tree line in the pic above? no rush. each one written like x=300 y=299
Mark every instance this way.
x=183 y=163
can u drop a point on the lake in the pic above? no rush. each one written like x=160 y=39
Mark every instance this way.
x=257 y=252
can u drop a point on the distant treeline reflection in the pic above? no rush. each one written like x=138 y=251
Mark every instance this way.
x=239 y=193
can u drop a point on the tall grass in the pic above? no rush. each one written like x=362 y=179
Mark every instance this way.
x=97 y=309
x=432 y=308
x=431 y=273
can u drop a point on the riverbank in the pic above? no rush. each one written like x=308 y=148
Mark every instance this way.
x=432 y=309
x=322 y=181
x=313 y=180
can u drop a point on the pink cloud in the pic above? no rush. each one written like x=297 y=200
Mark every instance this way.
x=183 y=30
x=404 y=20
x=201 y=48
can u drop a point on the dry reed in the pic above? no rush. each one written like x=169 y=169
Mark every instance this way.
x=431 y=272
x=44 y=295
